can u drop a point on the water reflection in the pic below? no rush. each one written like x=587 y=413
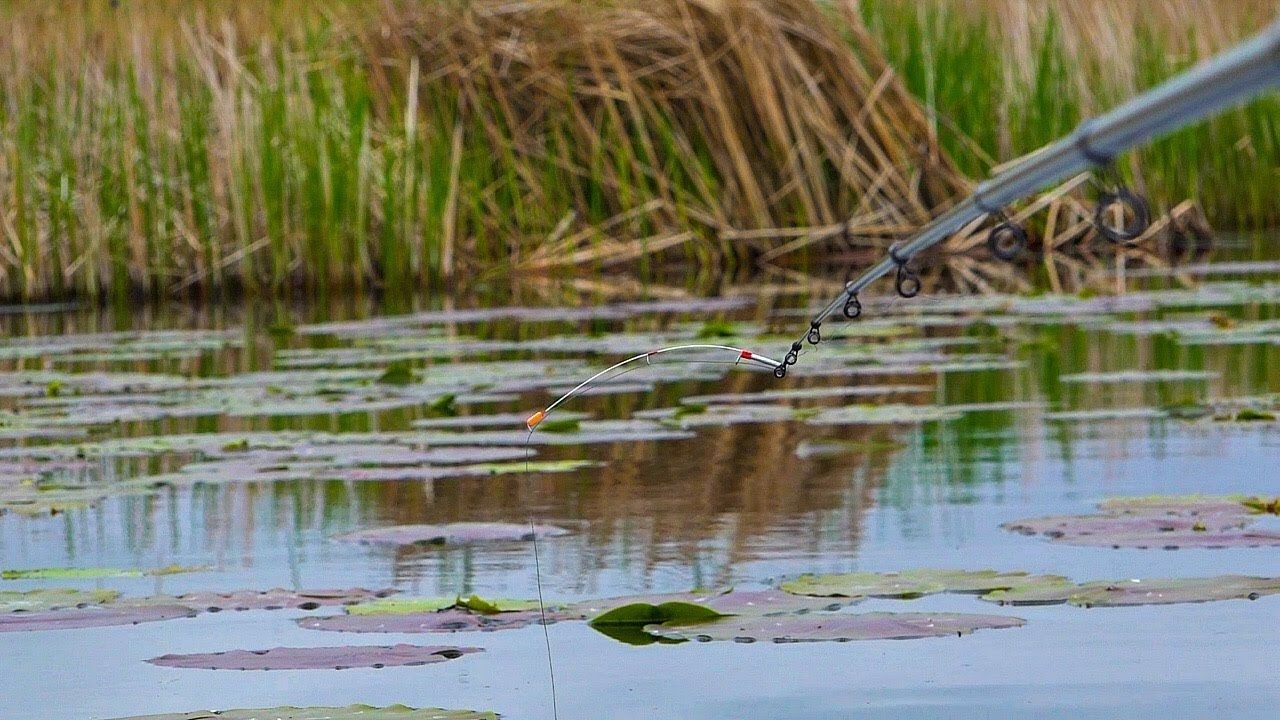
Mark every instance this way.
x=656 y=515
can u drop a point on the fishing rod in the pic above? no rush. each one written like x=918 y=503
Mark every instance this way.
x=1248 y=69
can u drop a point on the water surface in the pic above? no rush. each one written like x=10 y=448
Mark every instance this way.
x=739 y=506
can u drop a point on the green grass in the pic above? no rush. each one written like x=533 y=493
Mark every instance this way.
x=959 y=61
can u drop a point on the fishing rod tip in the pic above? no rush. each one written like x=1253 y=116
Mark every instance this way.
x=535 y=419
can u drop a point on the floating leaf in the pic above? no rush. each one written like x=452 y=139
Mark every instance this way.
x=641 y=614
x=493 y=606
x=52 y=599
x=460 y=533
x=67 y=573
x=560 y=425
x=1123 y=593
x=397 y=373
x=1138 y=376
x=275 y=599
x=814 y=393
x=450 y=620
x=854 y=585
x=816 y=627
x=93 y=616
x=352 y=712
x=1156 y=522
x=1105 y=414
x=883 y=415
x=402 y=606
x=412 y=606
x=912 y=583
x=317 y=658
x=81 y=573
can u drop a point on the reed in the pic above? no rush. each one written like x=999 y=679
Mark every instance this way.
x=152 y=147
x=1004 y=77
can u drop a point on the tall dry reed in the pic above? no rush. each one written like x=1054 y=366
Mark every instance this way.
x=157 y=148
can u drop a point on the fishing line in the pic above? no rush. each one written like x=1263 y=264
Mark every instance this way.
x=537 y=574
x=740 y=358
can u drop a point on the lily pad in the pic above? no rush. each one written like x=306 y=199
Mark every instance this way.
x=403 y=606
x=1106 y=414
x=883 y=415
x=1138 y=376
x=853 y=585
x=1157 y=522
x=838 y=627
x=352 y=712
x=82 y=573
x=317 y=658
x=460 y=533
x=726 y=602
x=417 y=605
x=275 y=599
x=94 y=616
x=813 y=393
x=32 y=601
x=912 y=583
x=449 y=620
x=641 y=614
x=1123 y=593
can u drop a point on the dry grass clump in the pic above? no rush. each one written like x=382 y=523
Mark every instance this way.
x=156 y=149
x=678 y=122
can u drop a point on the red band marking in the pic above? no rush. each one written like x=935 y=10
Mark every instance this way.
x=746 y=355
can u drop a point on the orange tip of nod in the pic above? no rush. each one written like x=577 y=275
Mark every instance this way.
x=534 y=419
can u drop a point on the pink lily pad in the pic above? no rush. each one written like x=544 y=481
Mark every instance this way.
x=353 y=712
x=837 y=627
x=275 y=599
x=317 y=658
x=451 y=620
x=1159 y=522
x=89 y=617
x=460 y=533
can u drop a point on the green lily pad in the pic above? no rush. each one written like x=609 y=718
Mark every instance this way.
x=641 y=614
x=854 y=585
x=493 y=606
x=351 y=712
x=1106 y=414
x=1138 y=376
x=418 y=605
x=52 y=599
x=67 y=573
x=883 y=415
x=911 y=583
x=81 y=573
x=402 y=606
x=833 y=627
x=814 y=393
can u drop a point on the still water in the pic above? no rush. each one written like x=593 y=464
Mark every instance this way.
x=1056 y=404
